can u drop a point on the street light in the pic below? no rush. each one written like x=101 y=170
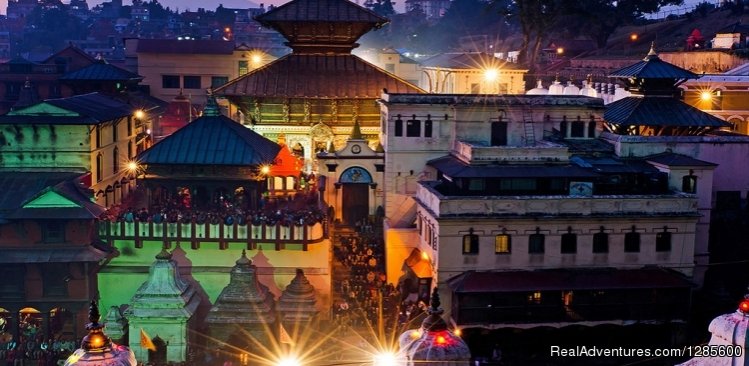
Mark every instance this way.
x=706 y=96
x=633 y=37
x=491 y=74
x=132 y=166
x=288 y=361
x=139 y=114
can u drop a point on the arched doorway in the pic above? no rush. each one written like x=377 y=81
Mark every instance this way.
x=159 y=355
x=355 y=182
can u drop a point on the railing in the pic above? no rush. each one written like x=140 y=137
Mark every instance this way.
x=543 y=151
x=195 y=233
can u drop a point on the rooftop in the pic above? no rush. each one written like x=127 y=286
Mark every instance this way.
x=203 y=47
x=91 y=109
x=101 y=71
x=658 y=111
x=38 y=195
x=339 y=11
x=316 y=76
x=389 y=97
x=652 y=67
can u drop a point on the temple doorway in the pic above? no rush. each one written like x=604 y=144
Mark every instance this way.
x=159 y=355
x=355 y=182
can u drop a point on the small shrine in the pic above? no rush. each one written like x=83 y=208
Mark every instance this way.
x=298 y=301
x=729 y=332
x=244 y=309
x=163 y=308
x=97 y=349
x=434 y=343
x=178 y=113
x=116 y=324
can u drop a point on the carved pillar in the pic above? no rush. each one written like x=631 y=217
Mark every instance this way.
x=286 y=111
x=334 y=110
x=355 y=110
x=256 y=112
x=307 y=111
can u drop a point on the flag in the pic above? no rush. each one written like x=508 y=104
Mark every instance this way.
x=284 y=336
x=145 y=341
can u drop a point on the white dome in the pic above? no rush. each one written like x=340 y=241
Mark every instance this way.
x=619 y=93
x=556 y=88
x=571 y=89
x=588 y=90
x=538 y=90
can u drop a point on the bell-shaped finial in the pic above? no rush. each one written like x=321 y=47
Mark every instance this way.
x=211 y=106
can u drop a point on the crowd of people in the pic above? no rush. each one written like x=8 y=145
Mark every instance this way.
x=300 y=209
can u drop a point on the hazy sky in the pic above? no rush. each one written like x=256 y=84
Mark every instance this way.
x=212 y=4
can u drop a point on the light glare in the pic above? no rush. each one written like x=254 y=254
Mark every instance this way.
x=706 y=95
x=385 y=359
x=491 y=74
x=289 y=361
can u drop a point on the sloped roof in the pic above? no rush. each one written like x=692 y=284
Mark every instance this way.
x=317 y=76
x=71 y=47
x=672 y=159
x=658 y=111
x=20 y=188
x=652 y=67
x=91 y=109
x=468 y=60
x=212 y=140
x=321 y=11
x=187 y=46
x=456 y=168
x=53 y=255
x=102 y=71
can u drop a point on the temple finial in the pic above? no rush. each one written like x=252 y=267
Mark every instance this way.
x=211 y=107
x=651 y=53
x=93 y=312
x=435 y=302
x=356 y=131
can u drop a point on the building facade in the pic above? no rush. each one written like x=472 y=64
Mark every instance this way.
x=471 y=73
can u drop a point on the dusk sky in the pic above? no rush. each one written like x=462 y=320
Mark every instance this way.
x=194 y=4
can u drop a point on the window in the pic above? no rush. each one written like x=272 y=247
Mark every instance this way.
x=569 y=243
x=115 y=160
x=536 y=243
x=632 y=242
x=663 y=242
x=476 y=184
x=601 y=242
x=413 y=128
x=475 y=89
x=98 y=136
x=535 y=297
x=114 y=132
x=217 y=81
x=191 y=82
x=471 y=244
x=129 y=150
x=55 y=277
x=578 y=129
x=390 y=68
x=129 y=126
x=502 y=244
x=99 y=167
x=243 y=69
x=53 y=231
x=689 y=183
x=428 y=128
x=592 y=128
x=170 y=81
x=398 y=127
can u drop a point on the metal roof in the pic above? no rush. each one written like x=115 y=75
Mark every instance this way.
x=92 y=108
x=566 y=279
x=212 y=140
x=468 y=60
x=652 y=67
x=672 y=159
x=321 y=11
x=22 y=187
x=316 y=76
x=187 y=46
x=658 y=111
x=456 y=168
x=101 y=71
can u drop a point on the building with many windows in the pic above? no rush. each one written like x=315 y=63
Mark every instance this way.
x=85 y=133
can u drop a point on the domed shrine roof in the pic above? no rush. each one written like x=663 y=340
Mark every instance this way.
x=434 y=341
x=539 y=89
x=97 y=348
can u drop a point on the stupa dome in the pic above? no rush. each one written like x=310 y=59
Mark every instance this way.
x=538 y=90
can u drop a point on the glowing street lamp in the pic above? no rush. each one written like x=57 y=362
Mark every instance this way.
x=289 y=361
x=384 y=359
x=265 y=169
x=139 y=114
x=132 y=166
x=633 y=37
x=706 y=96
x=256 y=58
x=560 y=50
x=491 y=74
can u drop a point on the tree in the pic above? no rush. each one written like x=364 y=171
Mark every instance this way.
x=536 y=18
x=600 y=18
x=383 y=8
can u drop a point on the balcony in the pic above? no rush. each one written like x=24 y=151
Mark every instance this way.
x=557 y=205
x=284 y=237
x=543 y=151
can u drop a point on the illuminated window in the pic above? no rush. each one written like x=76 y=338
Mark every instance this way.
x=243 y=69
x=470 y=244
x=502 y=244
x=535 y=297
x=663 y=242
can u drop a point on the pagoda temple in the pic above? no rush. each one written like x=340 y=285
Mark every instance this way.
x=245 y=306
x=163 y=308
x=315 y=94
x=655 y=107
x=298 y=300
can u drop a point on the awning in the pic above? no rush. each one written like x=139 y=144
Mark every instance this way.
x=53 y=255
x=546 y=280
x=456 y=168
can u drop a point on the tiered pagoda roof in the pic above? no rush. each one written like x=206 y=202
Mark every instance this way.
x=652 y=67
x=322 y=34
x=244 y=302
x=298 y=300
x=164 y=295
